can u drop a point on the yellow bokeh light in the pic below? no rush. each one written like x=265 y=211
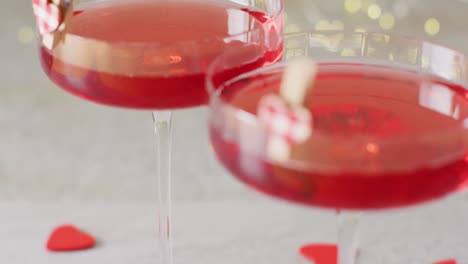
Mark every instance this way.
x=347 y=52
x=352 y=6
x=25 y=34
x=387 y=21
x=374 y=11
x=432 y=26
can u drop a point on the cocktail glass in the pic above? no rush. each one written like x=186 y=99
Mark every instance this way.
x=153 y=55
x=389 y=125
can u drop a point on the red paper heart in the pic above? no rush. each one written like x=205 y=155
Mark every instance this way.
x=69 y=238
x=320 y=253
x=450 y=261
x=328 y=254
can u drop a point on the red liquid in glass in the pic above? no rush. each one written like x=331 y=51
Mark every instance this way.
x=349 y=101
x=152 y=23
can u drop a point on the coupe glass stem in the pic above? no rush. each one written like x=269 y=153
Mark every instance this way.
x=348 y=240
x=162 y=128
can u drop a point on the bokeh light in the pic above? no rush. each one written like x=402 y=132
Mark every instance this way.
x=352 y=6
x=432 y=26
x=387 y=21
x=374 y=11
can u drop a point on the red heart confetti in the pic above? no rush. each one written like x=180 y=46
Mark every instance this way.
x=69 y=238
x=48 y=16
x=450 y=261
x=320 y=253
x=328 y=254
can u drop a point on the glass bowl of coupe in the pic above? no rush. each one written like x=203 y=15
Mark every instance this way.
x=381 y=128
x=153 y=55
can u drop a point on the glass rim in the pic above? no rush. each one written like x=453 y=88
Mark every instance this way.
x=249 y=119
x=142 y=44
x=212 y=67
